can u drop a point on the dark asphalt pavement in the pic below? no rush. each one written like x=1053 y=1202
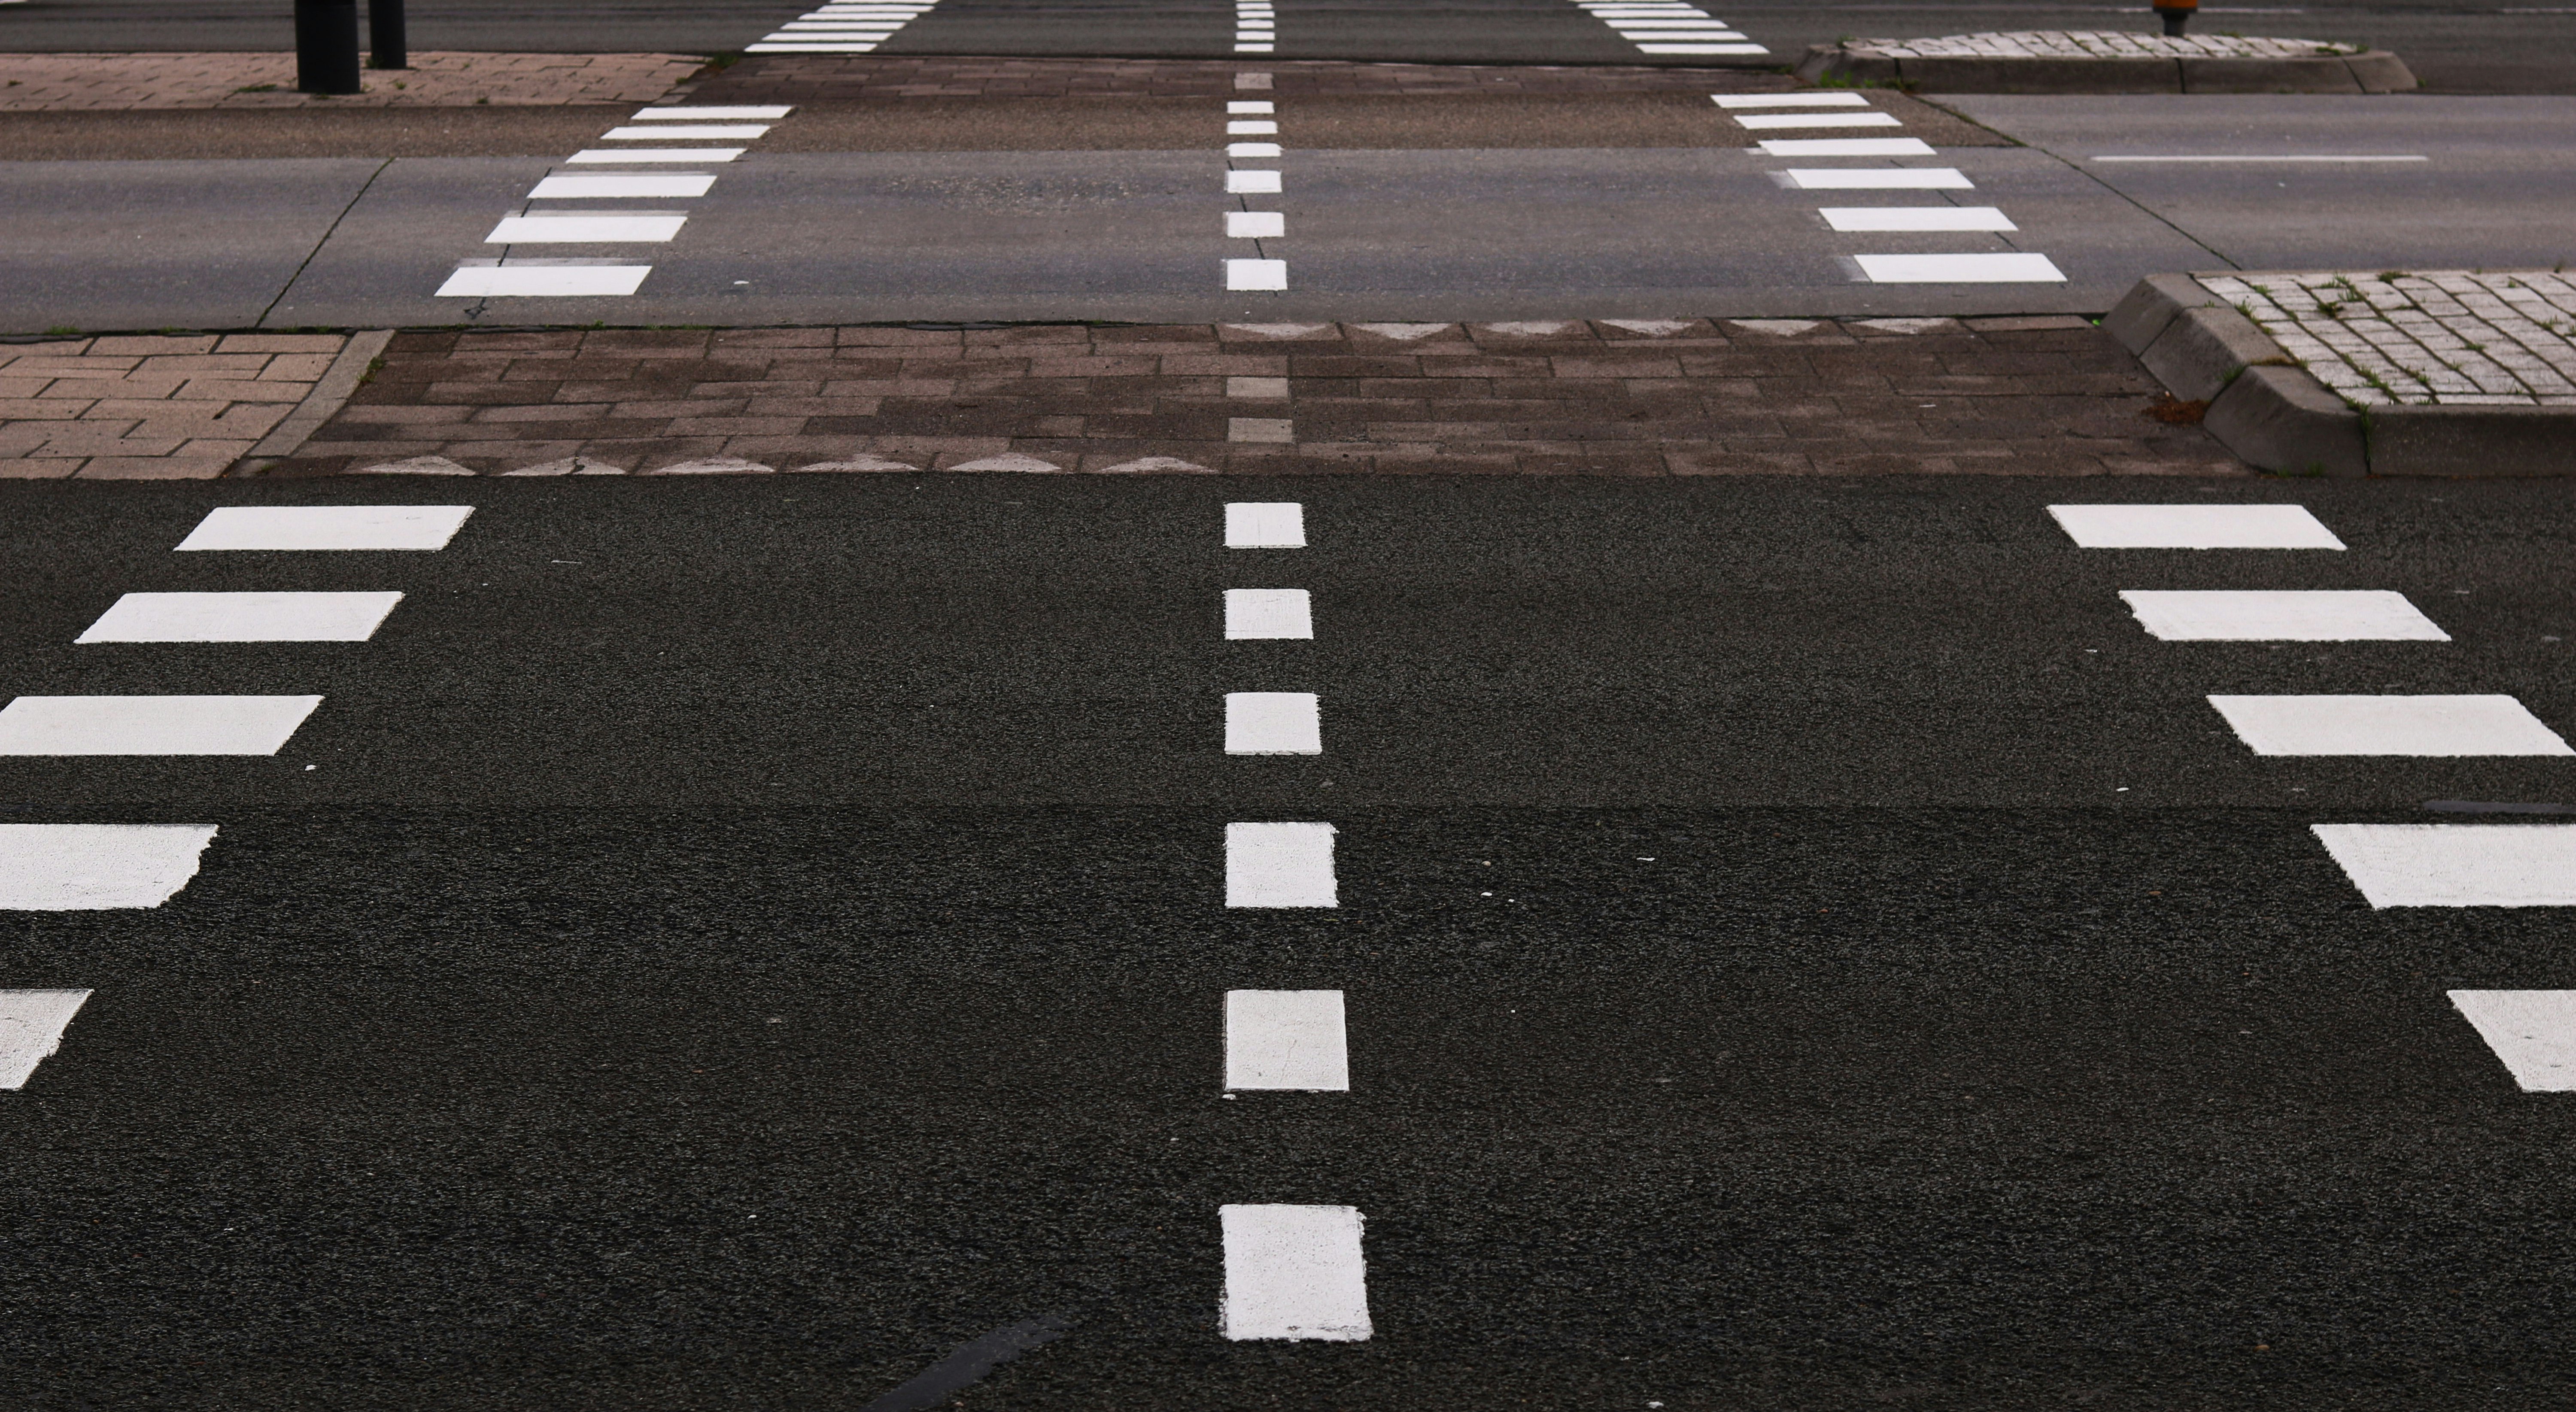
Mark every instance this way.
x=1806 y=948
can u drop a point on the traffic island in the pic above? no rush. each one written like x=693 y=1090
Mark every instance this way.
x=2106 y=61
x=2392 y=373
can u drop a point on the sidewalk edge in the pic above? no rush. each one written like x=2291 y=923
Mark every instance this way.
x=328 y=396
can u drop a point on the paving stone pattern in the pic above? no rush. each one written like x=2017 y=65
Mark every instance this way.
x=2097 y=44
x=2456 y=337
x=811 y=78
x=1636 y=397
x=53 y=83
x=150 y=407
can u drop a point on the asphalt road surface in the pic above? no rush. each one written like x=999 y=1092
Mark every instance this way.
x=732 y=943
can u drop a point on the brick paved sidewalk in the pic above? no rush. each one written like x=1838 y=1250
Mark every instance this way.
x=51 y=83
x=1639 y=397
x=811 y=78
x=151 y=407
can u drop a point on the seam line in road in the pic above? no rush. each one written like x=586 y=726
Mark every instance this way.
x=288 y=284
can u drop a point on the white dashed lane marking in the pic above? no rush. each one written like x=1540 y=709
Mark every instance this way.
x=2193 y=527
x=2532 y=1031
x=1253 y=613
x=1251 y=183
x=1273 y=723
x=1256 y=274
x=1256 y=27
x=1265 y=524
x=1294 y=1272
x=1286 y=1039
x=242 y=617
x=1279 y=865
x=2429 y=726
x=1658 y=28
x=1256 y=225
x=151 y=725
x=31 y=1029
x=249 y=527
x=2281 y=615
x=2456 y=865
x=95 y=867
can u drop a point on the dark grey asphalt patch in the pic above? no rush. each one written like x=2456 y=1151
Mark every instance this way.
x=972 y=1360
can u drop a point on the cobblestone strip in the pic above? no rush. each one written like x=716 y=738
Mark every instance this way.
x=52 y=83
x=2097 y=44
x=802 y=78
x=1627 y=397
x=2450 y=337
x=150 y=408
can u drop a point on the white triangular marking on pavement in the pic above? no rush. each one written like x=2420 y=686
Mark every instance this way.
x=1652 y=328
x=713 y=466
x=31 y=1029
x=1146 y=465
x=861 y=462
x=1404 y=333
x=416 y=466
x=2532 y=1031
x=1777 y=328
x=1009 y=461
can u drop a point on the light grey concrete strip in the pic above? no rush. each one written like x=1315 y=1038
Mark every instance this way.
x=327 y=397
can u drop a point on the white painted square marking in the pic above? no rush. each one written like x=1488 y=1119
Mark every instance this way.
x=2194 y=527
x=2281 y=615
x=1252 y=149
x=2440 y=726
x=151 y=725
x=1286 y=1039
x=1252 y=127
x=95 y=867
x=234 y=527
x=1273 y=723
x=2456 y=865
x=2018 y=267
x=1256 y=613
x=673 y=132
x=577 y=187
x=1265 y=524
x=1847 y=147
x=1256 y=225
x=1256 y=274
x=1294 y=1272
x=1251 y=183
x=544 y=281
x=1879 y=179
x=31 y=1029
x=2532 y=1031
x=1251 y=105
x=1878 y=218
x=1279 y=865
x=1775 y=121
x=654 y=154
x=765 y=112
x=1789 y=100
x=242 y=617
x=544 y=229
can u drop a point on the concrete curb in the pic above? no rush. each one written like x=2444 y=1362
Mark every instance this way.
x=329 y=395
x=2274 y=414
x=2375 y=71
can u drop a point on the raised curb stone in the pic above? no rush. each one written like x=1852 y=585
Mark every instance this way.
x=2107 y=61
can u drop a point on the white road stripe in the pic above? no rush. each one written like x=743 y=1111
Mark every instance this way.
x=1256 y=274
x=242 y=617
x=1701 y=49
x=2281 y=615
x=1251 y=105
x=1273 y=723
x=1259 y=613
x=1789 y=100
x=2532 y=1031
x=1251 y=183
x=243 y=527
x=1294 y=1272
x=646 y=155
x=1251 y=127
x=2016 y=267
x=550 y=228
x=1252 y=149
x=151 y=725
x=1879 y=179
x=674 y=132
x=1279 y=865
x=771 y=48
x=1256 y=225
x=763 y=112
x=1286 y=1039
x=95 y=867
x=1261 y=524
x=583 y=187
x=2429 y=726
x=1773 y=121
x=543 y=281
x=31 y=1029
x=1915 y=218
x=1847 y=147
x=2193 y=527
x=2456 y=865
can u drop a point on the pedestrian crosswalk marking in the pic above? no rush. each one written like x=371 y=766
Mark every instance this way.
x=1294 y=1272
x=1759 y=122
x=2281 y=615
x=1847 y=147
x=2014 y=267
x=1265 y=524
x=1273 y=723
x=242 y=617
x=531 y=280
x=97 y=867
x=2532 y=1031
x=586 y=228
x=646 y=156
x=1915 y=218
x=1280 y=865
x=1258 y=613
x=2436 y=726
x=1878 y=179
x=151 y=725
x=2193 y=527
x=1286 y=1039
x=31 y=1029
x=2456 y=865
x=585 y=187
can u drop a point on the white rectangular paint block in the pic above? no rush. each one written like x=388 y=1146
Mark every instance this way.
x=1916 y=218
x=2532 y=1031
x=1254 y=613
x=1265 y=524
x=243 y=527
x=2193 y=527
x=1256 y=225
x=1789 y=100
x=1251 y=183
x=96 y=867
x=2424 y=726
x=1251 y=127
x=1273 y=723
x=2456 y=865
x=1286 y=1039
x=544 y=281
x=1252 y=149
x=1847 y=147
x=772 y=47
x=765 y=112
x=31 y=1029
x=697 y=132
x=1251 y=105
x=547 y=229
x=2016 y=267
x=1256 y=274
x=1701 y=49
x=580 y=187
x=151 y=725
x=1279 y=865
x=242 y=617
x=1294 y=1272
x=1879 y=179
x=2281 y=615
x=644 y=155
x=1776 y=121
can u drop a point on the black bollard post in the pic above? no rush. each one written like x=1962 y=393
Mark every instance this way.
x=326 y=46
x=2175 y=14
x=386 y=46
